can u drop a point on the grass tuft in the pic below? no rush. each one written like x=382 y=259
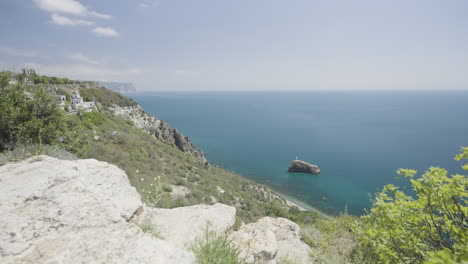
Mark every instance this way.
x=147 y=227
x=216 y=248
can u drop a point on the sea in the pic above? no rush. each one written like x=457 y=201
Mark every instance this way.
x=359 y=139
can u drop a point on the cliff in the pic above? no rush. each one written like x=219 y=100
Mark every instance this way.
x=85 y=211
x=157 y=128
x=118 y=131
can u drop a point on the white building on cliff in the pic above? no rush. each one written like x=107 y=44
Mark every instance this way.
x=77 y=103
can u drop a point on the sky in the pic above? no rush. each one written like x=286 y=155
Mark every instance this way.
x=242 y=45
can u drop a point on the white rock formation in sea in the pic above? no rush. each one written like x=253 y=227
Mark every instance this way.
x=56 y=211
x=270 y=240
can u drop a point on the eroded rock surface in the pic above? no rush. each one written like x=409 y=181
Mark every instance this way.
x=305 y=167
x=182 y=226
x=56 y=211
x=271 y=240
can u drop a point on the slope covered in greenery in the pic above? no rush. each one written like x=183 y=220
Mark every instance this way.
x=429 y=227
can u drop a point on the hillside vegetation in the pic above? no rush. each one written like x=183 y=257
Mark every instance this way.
x=428 y=227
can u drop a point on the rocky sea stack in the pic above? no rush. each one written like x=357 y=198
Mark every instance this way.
x=304 y=167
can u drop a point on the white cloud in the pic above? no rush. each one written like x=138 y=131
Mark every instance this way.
x=19 y=52
x=147 y=3
x=74 y=7
x=106 y=32
x=100 y=15
x=81 y=57
x=70 y=7
x=62 y=6
x=66 y=21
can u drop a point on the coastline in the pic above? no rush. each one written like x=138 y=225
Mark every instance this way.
x=300 y=204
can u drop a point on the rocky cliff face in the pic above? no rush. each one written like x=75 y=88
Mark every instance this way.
x=85 y=211
x=159 y=129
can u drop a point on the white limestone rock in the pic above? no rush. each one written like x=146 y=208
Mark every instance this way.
x=182 y=226
x=56 y=211
x=270 y=240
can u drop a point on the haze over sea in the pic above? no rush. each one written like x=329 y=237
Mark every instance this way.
x=358 y=138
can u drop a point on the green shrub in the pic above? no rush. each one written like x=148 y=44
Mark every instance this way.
x=27 y=151
x=403 y=229
x=51 y=80
x=216 y=248
x=27 y=120
x=180 y=182
x=179 y=202
x=62 y=91
x=330 y=238
x=166 y=188
x=92 y=119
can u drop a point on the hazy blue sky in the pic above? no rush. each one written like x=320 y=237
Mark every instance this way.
x=169 y=45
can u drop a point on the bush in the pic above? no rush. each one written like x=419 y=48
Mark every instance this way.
x=62 y=91
x=166 y=188
x=92 y=119
x=403 y=229
x=216 y=248
x=331 y=238
x=24 y=152
x=27 y=120
x=51 y=80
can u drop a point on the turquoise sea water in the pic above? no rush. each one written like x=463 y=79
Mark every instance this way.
x=358 y=139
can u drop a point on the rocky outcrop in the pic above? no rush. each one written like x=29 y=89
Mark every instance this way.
x=56 y=211
x=159 y=129
x=271 y=240
x=85 y=211
x=183 y=226
x=302 y=166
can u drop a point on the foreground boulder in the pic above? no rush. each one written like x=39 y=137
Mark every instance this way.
x=304 y=167
x=56 y=211
x=271 y=240
x=183 y=226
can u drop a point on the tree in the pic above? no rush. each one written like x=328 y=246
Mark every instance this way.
x=431 y=227
x=27 y=118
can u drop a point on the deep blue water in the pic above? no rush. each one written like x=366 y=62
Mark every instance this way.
x=358 y=139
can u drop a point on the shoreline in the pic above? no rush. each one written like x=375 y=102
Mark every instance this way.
x=291 y=201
